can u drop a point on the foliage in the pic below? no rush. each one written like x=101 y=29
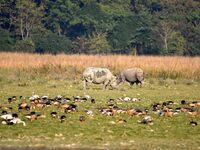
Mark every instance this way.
x=151 y=27
x=51 y=43
x=6 y=42
x=26 y=45
x=98 y=44
x=176 y=44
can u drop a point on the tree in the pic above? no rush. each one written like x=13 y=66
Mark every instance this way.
x=176 y=44
x=7 y=14
x=98 y=44
x=164 y=30
x=28 y=17
x=59 y=15
x=49 y=42
x=6 y=42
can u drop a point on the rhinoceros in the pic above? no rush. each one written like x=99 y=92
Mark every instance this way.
x=99 y=76
x=132 y=75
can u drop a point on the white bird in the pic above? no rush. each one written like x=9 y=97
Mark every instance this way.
x=7 y=116
x=17 y=121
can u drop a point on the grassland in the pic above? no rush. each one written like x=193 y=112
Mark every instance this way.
x=25 y=74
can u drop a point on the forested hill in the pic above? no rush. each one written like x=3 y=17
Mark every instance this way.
x=156 y=27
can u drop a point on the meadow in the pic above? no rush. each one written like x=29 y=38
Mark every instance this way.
x=167 y=78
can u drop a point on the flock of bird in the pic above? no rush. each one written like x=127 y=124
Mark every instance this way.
x=69 y=105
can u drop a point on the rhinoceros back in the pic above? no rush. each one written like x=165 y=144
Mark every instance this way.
x=133 y=75
x=97 y=75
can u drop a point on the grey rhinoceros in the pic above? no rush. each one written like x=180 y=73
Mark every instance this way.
x=99 y=76
x=132 y=75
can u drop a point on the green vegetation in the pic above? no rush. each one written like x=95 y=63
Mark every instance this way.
x=101 y=26
x=99 y=131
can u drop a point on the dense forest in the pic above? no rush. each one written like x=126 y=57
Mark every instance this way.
x=143 y=27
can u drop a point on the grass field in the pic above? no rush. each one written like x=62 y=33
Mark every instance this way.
x=99 y=131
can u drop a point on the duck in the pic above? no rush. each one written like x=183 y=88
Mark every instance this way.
x=10 y=100
x=53 y=114
x=66 y=99
x=32 y=116
x=193 y=113
x=62 y=118
x=87 y=96
x=168 y=113
x=56 y=103
x=93 y=101
x=89 y=112
x=183 y=102
x=146 y=120
x=121 y=121
x=64 y=106
x=23 y=104
x=72 y=108
x=82 y=118
x=13 y=120
x=6 y=116
x=17 y=120
x=193 y=123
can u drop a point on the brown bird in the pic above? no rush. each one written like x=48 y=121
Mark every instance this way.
x=121 y=121
x=32 y=116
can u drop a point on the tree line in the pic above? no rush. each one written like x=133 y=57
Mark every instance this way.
x=152 y=27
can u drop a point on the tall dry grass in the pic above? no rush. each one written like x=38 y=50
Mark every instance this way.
x=154 y=66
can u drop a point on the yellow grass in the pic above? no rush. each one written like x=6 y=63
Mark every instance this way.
x=154 y=66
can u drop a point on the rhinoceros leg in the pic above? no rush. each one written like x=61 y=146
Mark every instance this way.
x=106 y=83
x=139 y=83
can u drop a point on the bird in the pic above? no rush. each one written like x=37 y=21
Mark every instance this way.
x=146 y=120
x=121 y=121
x=93 y=101
x=183 y=102
x=32 y=116
x=10 y=100
x=89 y=112
x=12 y=119
x=82 y=118
x=62 y=118
x=53 y=114
x=193 y=123
x=6 y=116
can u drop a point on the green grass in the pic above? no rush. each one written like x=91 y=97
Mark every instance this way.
x=98 y=131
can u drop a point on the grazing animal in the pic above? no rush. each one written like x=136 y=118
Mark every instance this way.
x=132 y=75
x=99 y=76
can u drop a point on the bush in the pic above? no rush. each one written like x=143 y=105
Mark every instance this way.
x=6 y=42
x=51 y=43
x=26 y=45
